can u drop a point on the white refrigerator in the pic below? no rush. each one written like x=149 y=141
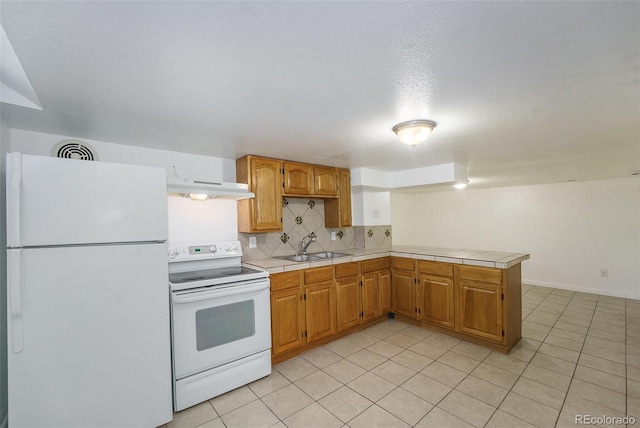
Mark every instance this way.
x=87 y=294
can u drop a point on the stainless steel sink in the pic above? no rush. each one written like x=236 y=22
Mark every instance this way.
x=301 y=258
x=312 y=257
x=329 y=255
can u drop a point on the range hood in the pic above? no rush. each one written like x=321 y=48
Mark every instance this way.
x=197 y=189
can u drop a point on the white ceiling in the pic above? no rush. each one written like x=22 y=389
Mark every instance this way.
x=523 y=92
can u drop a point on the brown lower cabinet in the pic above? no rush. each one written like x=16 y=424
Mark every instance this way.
x=480 y=309
x=435 y=293
x=287 y=312
x=403 y=287
x=320 y=302
x=435 y=300
x=479 y=304
x=302 y=308
x=313 y=306
x=362 y=292
x=348 y=295
x=376 y=285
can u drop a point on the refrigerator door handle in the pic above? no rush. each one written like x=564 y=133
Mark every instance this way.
x=13 y=210
x=14 y=269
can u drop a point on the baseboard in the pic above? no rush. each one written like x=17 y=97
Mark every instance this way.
x=604 y=292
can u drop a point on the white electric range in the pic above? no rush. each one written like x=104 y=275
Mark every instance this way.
x=220 y=321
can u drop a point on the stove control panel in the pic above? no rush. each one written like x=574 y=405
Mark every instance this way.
x=189 y=251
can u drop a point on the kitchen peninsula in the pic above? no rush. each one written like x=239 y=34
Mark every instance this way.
x=468 y=294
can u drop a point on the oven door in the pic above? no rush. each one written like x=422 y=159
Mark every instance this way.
x=216 y=325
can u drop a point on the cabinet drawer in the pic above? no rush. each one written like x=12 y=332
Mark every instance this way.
x=346 y=269
x=435 y=268
x=482 y=274
x=402 y=263
x=283 y=281
x=375 y=264
x=312 y=276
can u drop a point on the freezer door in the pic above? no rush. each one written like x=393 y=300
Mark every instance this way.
x=93 y=347
x=53 y=201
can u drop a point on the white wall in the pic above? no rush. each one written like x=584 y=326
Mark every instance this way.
x=189 y=221
x=199 y=222
x=4 y=145
x=185 y=165
x=370 y=207
x=572 y=230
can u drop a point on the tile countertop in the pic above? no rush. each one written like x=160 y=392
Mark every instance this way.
x=494 y=259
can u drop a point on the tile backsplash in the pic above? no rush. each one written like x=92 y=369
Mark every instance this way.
x=301 y=217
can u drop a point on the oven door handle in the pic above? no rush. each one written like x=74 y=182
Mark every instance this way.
x=213 y=293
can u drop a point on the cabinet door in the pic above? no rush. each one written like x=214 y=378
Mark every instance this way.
x=370 y=297
x=287 y=321
x=348 y=302
x=326 y=181
x=435 y=300
x=320 y=310
x=480 y=309
x=298 y=178
x=403 y=295
x=384 y=281
x=344 y=196
x=337 y=212
x=266 y=183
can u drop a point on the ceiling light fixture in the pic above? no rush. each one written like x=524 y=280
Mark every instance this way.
x=414 y=132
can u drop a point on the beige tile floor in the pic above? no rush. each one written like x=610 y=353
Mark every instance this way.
x=580 y=355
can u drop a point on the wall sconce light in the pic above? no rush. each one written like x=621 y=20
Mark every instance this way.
x=414 y=132
x=461 y=184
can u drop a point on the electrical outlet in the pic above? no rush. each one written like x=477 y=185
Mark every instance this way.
x=252 y=242
x=604 y=273
x=333 y=236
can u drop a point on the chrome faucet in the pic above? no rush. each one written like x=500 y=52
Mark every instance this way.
x=304 y=245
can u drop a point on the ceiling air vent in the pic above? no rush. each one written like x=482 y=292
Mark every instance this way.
x=75 y=149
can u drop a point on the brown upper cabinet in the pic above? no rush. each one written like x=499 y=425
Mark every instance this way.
x=302 y=179
x=264 y=177
x=337 y=212
x=298 y=179
x=326 y=181
x=271 y=179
